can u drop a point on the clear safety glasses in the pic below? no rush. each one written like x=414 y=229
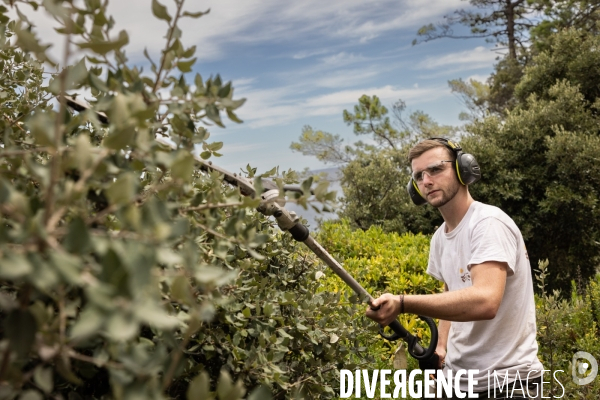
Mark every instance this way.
x=431 y=171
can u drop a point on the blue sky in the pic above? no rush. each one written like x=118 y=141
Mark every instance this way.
x=304 y=62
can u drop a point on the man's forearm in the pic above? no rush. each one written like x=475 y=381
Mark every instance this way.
x=470 y=304
x=475 y=303
x=443 y=331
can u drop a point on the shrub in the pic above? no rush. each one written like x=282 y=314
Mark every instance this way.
x=566 y=326
x=126 y=272
x=381 y=262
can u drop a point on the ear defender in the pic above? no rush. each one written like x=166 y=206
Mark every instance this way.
x=466 y=167
x=415 y=193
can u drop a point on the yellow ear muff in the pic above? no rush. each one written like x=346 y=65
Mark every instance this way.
x=458 y=172
x=417 y=188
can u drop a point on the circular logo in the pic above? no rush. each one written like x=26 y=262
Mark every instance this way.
x=584 y=368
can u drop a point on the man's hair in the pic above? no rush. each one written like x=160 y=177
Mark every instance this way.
x=427 y=145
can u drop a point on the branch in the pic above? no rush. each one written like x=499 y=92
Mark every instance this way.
x=211 y=206
x=169 y=38
x=79 y=186
x=139 y=197
x=82 y=357
x=58 y=131
x=12 y=153
x=177 y=354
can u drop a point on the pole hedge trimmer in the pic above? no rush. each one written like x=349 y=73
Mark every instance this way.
x=272 y=204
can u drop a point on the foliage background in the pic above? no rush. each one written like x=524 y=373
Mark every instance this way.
x=127 y=272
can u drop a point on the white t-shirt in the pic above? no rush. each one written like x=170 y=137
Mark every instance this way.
x=507 y=343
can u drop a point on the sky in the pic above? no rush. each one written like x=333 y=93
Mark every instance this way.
x=304 y=62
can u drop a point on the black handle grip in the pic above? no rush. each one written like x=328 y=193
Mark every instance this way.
x=426 y=356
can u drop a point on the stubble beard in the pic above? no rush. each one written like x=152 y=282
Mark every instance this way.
x=447 y=195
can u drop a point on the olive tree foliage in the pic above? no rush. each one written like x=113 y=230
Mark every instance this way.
x=126 y=271
x=540 y=21
x=375 y=171
x=583 y=15
x=505 y=22
x=540 y=162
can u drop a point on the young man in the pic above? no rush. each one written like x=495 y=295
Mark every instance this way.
x=487 y=310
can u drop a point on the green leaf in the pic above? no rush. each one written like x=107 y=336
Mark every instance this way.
x=149 y=58
x=189 y=52
x=199 y=388
x=183 y=166
x=196 y=14
x=301 y=327
x=72 y=76
x=232 y=116
x=225 y=90
x=247 y=312
x=122 y=327
x=43 y=378
x=76 y=75
x=155 y=316
x=42 y=129
x=78 y=238
x=224 y=385
x=160 y=11
x=28 y=42
x=212 y=112
x=260 y=393
x=268 y=309
x=207 y=274
x=31 y=395
x=104 y=47
x=14 y=266
x=226 y=390
x=68 y=266
x=20 y=327
x=123 y=190
x=97 y=83
x=216 y=146
x=88 y=323
x=83 y=151
x=181 y=290
x=306 y=184
x=186 y=66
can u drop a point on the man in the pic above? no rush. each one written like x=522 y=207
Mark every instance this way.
x=487 y=310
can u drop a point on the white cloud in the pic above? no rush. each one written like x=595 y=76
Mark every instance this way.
x=233 y=22
x=385 y=93
x=242 y=148
x=346 y=78
x=342 y=58
x=269 y=107
x=306 y=54
x=479 y=57
x=477 y=77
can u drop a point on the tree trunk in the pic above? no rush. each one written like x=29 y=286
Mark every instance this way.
x=510 y=27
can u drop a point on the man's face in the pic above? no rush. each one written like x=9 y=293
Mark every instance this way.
x=439 y=183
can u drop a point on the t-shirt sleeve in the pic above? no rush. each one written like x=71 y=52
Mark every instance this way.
x=433 y=268
x=492 y=240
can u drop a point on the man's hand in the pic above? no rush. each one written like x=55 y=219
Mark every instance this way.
x=388 y=308
x=441 y=352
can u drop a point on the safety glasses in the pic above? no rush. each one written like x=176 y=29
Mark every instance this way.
x=431 y=171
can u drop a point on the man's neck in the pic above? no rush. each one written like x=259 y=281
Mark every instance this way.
x=454 y=211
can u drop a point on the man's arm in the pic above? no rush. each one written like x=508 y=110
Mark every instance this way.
x=477 y=302
x=443 y=332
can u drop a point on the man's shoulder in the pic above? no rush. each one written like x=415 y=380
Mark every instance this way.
x=484 y=211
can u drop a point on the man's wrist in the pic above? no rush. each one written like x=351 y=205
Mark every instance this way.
x=401 y=299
